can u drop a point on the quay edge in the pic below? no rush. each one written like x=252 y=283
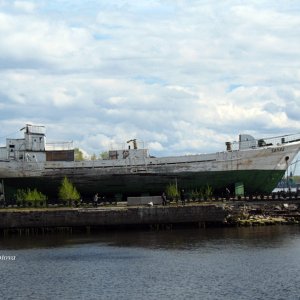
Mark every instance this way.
x=112 y=217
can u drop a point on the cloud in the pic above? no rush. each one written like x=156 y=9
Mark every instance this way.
x=181 y=76
x=25 y=6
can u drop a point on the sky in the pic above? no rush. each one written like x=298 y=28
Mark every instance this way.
x=180 y=76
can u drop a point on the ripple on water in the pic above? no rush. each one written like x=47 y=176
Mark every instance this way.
x=232 y=263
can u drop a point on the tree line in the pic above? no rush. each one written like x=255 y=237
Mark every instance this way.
x=79 y=156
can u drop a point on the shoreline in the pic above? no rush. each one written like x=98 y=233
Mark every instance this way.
x=14 y=220
x=120 y=216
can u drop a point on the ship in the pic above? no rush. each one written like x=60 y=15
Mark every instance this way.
x=248 y=166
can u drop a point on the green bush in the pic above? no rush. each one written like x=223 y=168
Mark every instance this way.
x=67 y=191
x=196 y=194
x=208 y=192
x=31 y=197
x=202 y=193
x=172 y=191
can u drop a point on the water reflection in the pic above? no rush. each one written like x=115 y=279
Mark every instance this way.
x=212 y=263
x=266 y=236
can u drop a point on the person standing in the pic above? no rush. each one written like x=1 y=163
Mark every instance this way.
x=95 y=202
x=164 y=199
x=227 y=193
x=182 y=197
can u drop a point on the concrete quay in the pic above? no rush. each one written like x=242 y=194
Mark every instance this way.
x=110 y=217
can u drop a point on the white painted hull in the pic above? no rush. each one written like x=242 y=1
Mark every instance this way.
x=269 y=158
x=258 y=169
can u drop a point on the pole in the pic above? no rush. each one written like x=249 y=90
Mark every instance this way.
x=3 y=190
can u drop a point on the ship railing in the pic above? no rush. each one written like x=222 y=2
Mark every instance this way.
x=34 y=129
x=52 y=146
x=278 y=140
x=264 y=142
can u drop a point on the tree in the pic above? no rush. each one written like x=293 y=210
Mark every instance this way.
x=31 y=196
x=172 y=191
x=78 y=154
x=104 y=155
x=208 y=192
x=67 y=191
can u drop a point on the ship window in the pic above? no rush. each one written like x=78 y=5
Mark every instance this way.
x=34 y=140
x=11 y=146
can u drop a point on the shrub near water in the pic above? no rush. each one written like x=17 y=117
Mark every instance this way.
x=67 y=191
x=208 y=191
x=30 y=196
x=172 y=191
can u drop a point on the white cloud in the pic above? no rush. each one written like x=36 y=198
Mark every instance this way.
x=25 y=6
x=181 y=76
x=155 y=146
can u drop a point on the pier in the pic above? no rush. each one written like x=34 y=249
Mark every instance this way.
x=135 y=213
x=46 y=219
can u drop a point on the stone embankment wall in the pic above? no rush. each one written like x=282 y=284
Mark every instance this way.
x=105 y=217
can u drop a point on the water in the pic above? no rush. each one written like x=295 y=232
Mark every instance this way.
x=222 y=263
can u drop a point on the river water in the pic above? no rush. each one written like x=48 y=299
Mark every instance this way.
x=213 y=263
